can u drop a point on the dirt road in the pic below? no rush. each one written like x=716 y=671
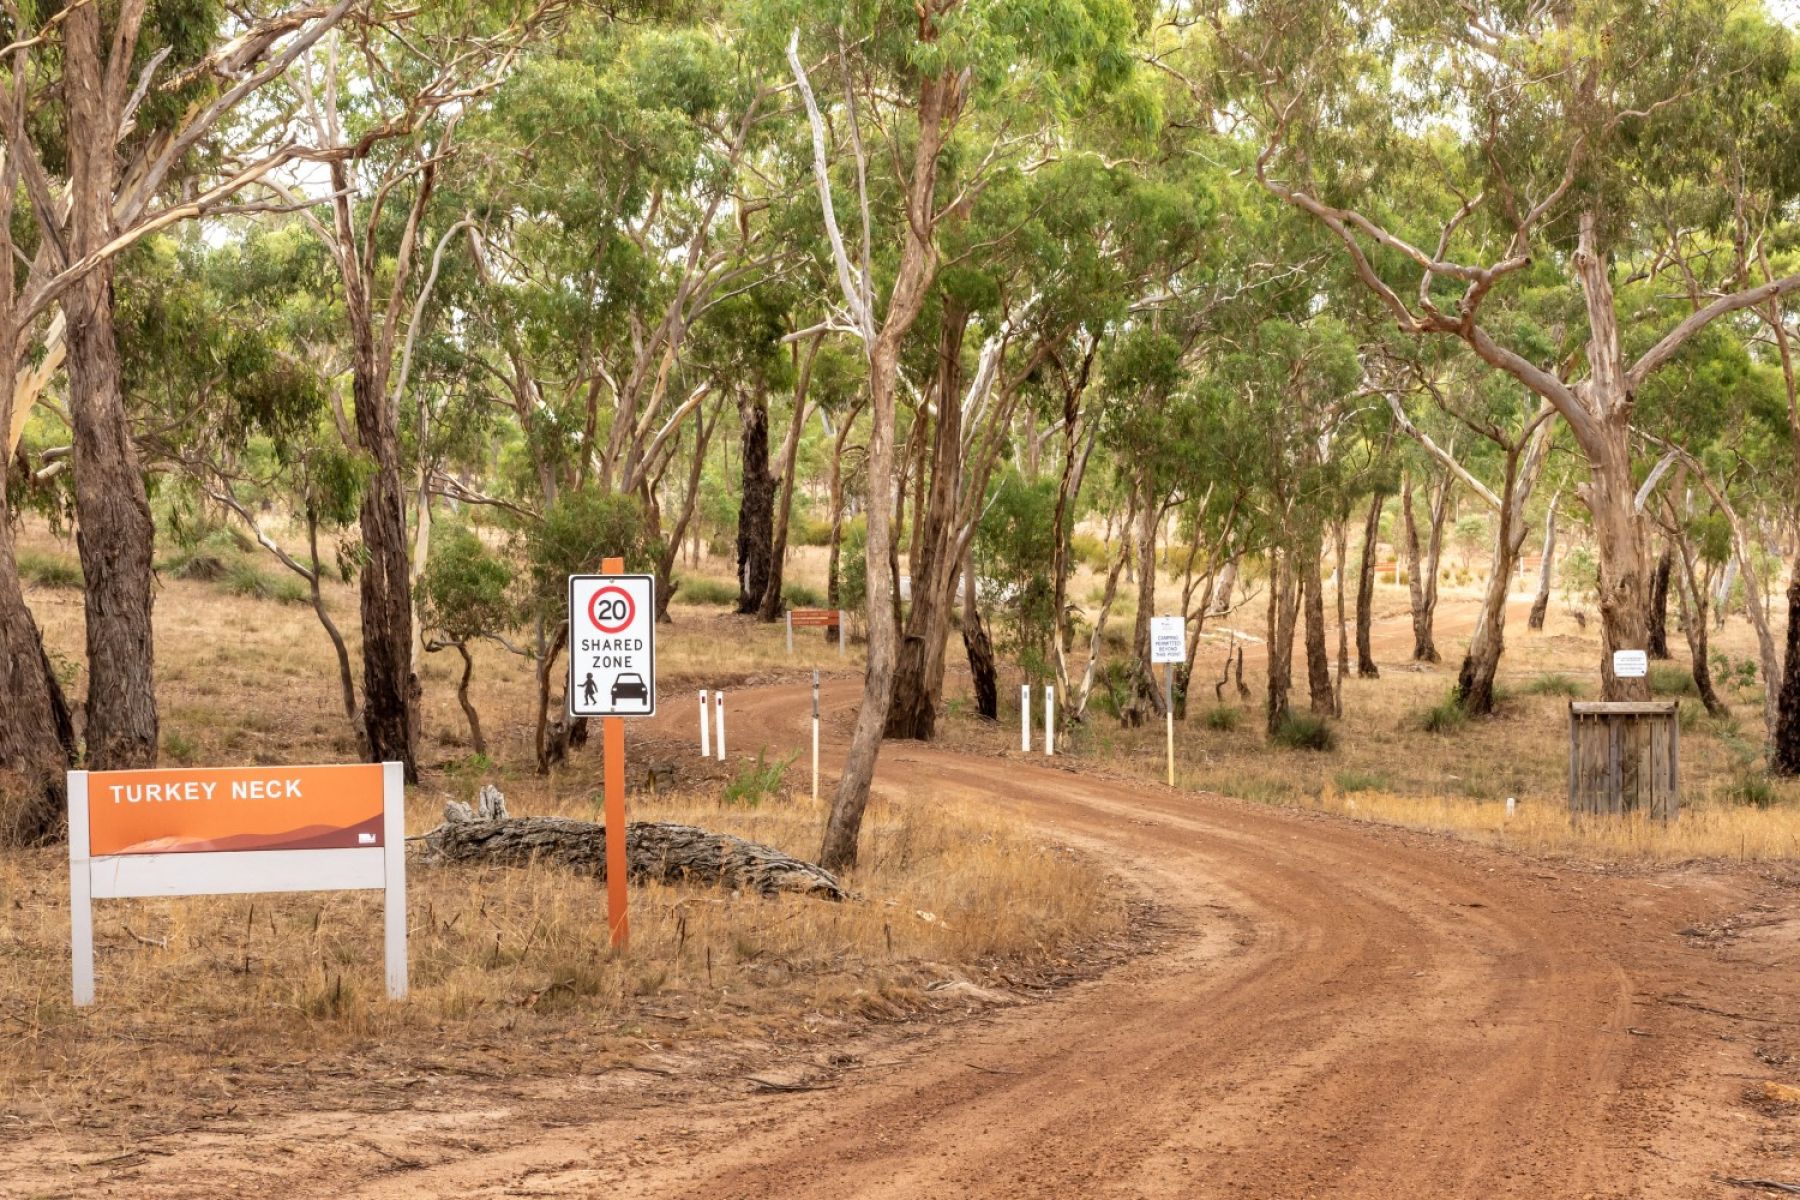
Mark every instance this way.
x=1333 y=1010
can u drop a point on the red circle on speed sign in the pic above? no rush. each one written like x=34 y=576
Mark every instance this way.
x=611 y=609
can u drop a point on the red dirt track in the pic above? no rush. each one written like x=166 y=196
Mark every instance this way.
x=1332 y=1010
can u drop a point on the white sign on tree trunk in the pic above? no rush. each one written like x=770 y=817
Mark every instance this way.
x=1168 y=639
x=1631 y=664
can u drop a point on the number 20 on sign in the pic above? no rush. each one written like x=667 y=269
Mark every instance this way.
x=612 y=675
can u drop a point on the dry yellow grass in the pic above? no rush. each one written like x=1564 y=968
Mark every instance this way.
x=206 y=1003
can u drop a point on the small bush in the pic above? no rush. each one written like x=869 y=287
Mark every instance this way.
x=1446 y=716
x=245 y=578
x=758 y=782
x=1304 y=731
x=798 y=595
x=700 y=590
x=804 y=531
x=179 y=748
x=1360 y=781
x=50 y=570
x=1224 y=718
x=1088 y=550
x=1553 y=685
x=1666 y=679
x=1751 y=789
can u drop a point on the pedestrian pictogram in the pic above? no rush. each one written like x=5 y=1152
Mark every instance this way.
x=612 y=645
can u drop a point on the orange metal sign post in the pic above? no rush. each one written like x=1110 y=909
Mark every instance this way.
x=612 y=749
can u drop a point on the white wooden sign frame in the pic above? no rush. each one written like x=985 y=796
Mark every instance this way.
x=235 y=872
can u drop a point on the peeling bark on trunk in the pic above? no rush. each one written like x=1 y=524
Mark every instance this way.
x=983 y=671
x=1659 y=604
x=1318 y=657
x=1422 y=572
x=772 y=604
x=115 y=532
x=1540 y=607
x=756 y=502
x=1284 y=610
x=913 y=714
x=1365 y=591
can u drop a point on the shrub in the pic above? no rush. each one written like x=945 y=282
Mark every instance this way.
x=1553 y=685
x=804 y=531
x=1224 y=718
x=1666 y=679
x=758 y=781
x=50 y=570
x=698 y=589
x=1446 y=716
x=179 y=748
x=1088 y=550
x=798 y=595
x=245 y=578
x=207 y=557
x=1360 y=781
x=1304 y=731
x=1752 y=789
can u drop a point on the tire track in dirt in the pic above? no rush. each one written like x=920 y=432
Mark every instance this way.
x=1339 y=1010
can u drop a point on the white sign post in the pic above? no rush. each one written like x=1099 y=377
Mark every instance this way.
x=719 y=732
x=705 y=727
x=1049 y=721
x=612 y=645
x=1025 y=717
x=1631 y=664
x=815 y=745
x=229 y=831
x=1168 y=646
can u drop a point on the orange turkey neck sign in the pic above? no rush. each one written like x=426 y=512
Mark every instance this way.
x=234 y=808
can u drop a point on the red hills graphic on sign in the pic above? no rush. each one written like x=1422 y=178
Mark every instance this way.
x=307 y=837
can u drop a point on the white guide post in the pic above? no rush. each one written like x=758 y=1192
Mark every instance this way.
x=393 y=844
x=790 y=632
x=843 y=630
x=81 y=896
x=705 y=727
x=1169 y=715
x=1049 y=720
x=815 y=745
x=719 y=719
x=1025 y=717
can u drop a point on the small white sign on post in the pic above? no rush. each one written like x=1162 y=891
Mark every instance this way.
x=612 y=645
x=1168 y=640
x=232 y=830
x=1631 y=664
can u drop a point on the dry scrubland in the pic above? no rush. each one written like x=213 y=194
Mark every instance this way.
x=275 y=1001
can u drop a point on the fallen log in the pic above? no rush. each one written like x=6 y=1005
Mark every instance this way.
x=662 y=851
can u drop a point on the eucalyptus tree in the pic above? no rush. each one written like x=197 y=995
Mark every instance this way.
x=109 y=114
x=1515 y=429
x=912 y=80
x=1567 y=122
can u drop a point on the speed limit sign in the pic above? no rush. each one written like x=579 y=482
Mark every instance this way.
x=612 y=645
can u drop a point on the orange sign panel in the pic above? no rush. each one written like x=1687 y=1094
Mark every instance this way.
x=234 y=808
x=810 y=617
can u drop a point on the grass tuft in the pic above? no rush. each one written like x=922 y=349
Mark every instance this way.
x=1444 y=717
x=50 y=570
x=1554 y=685
x=698 y=589
x=1666 y=679
x=1304 y=731
x=1224 y=718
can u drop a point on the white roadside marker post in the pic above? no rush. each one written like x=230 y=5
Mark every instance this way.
x=790 y=631
x=815 y=748
x=393 y=848
x=843 y=630
x=705 y=727
x=1025 y=717
x=1169 y=715
x=1049 y=721
x=719 y=715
